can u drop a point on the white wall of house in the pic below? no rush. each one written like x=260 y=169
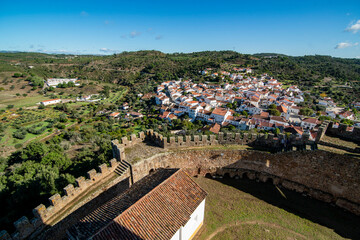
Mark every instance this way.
x=307 y=125
x=196 y=219
x=45 y=103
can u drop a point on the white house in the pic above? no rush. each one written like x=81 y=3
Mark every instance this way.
x=220 y=114
x=278 y=120
x=162 y=99
x=309 y=123
x=53 y=82
x=51 y=101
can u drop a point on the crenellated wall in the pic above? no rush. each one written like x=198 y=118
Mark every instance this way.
x=265 y=140
x=42 y=214
x=326 y=176
x=342 y=132
x=320 y=174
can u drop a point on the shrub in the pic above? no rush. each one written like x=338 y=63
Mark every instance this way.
x=20 y=133
x=17 y=75
x=18 y=145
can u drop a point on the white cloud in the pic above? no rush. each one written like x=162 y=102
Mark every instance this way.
x=158 y=37
x=354 y=27
x=107 y=50
x=134 y=34
x=345 y=45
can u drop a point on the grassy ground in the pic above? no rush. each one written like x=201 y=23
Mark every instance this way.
x=244 y=209
x=340 y=142
x=11 y=99
x=115 y=96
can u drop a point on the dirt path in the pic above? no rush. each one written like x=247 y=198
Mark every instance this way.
x=253 y=223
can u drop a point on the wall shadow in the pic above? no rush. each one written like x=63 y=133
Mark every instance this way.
x=341 y=221
x=58 y=231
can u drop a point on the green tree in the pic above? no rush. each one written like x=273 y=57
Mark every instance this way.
x=274 y=112
x=57 y=160
x=306 y=111
x=272 y=106
x=106 y=91
x=35 y=151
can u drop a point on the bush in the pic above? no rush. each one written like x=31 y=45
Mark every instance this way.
x=20 y=133
x=60 y=126
x=17 y=75
x=18 y=145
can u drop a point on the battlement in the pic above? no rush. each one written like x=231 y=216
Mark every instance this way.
x=118 y=148
x=343 y=131
x=42 y=214
x=266 y=140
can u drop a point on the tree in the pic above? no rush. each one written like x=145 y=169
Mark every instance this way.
x=106 y=91
x=34 y=151
x=17 y=75
x=71 y=84
x=277 y=131
x=272 y=106
x=274 y=112
x=245 y=113
x=347 y=122
x=63 y=118
x=36 y=81
x=306 y=111
x=57 y=160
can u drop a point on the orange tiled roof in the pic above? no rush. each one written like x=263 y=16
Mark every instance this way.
x=160 y=213
x=153 y=208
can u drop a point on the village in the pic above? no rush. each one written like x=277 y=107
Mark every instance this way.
x=245 y=102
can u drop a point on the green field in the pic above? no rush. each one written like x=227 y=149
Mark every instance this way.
x=245 y=209
x=115 y=96
x=9 y=99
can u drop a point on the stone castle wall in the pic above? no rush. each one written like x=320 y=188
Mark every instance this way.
x=342 y=132
x=290 y=170
x=325 y=176
x=265 y=140
x=42 y=214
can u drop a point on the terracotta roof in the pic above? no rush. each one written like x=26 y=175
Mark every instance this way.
x=311 y=120
x=281 y=109
x=153 y=208
x=114 y=114
x=215 y=128
x=220 y=111
x=277 y=118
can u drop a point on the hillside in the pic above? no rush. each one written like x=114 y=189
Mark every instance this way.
x=337 y=77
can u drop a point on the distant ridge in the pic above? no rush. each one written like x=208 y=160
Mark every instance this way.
x=269 y=55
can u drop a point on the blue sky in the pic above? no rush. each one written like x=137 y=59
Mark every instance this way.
x=104 y=27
